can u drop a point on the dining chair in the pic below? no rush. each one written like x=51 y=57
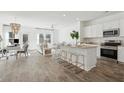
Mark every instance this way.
x=24 y=50
x=3 y=53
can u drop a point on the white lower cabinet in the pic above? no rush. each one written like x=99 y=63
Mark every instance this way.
x=98 y=52
x=122 y=27
x=121 y=53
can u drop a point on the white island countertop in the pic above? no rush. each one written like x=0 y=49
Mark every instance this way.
x=88 y=50
x=85 y=46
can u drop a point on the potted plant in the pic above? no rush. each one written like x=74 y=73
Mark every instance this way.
x=74 y=35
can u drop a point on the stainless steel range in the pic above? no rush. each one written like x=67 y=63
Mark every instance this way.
x=109 y=49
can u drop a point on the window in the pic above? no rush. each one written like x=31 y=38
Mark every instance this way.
x=48 y=38
x=11 y=35
x=41 y=38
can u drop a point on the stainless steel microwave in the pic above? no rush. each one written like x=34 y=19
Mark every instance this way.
x=111 y=33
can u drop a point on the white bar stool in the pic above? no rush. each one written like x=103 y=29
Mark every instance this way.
x=77 y=62
x=69 y=59
x=62 y=56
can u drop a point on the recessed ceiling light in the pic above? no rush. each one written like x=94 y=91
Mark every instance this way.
x=64 y=14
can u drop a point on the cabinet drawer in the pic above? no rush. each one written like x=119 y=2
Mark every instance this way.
x=121 y=54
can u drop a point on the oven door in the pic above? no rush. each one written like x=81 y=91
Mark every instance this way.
x=110 y=53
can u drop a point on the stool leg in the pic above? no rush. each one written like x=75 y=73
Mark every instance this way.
x=76 y=64
x=58 y=56
x=61 y=57
x=71 y=65
x=69 y=61
x=77 y=70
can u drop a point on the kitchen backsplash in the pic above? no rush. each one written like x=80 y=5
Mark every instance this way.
x=101 y=40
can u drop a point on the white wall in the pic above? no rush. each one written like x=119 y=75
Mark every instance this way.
x=108 y=18
x=64 y=32
x=1 y=29
x=32 y=35
x=56 y=36
x=61 y=34
x=5 y=35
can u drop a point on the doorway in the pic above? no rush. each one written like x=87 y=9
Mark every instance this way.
x=25 y=38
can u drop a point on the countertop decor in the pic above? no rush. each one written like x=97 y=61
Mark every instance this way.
x=75 y=35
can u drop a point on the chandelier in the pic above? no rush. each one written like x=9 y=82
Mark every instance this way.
x=15 y=27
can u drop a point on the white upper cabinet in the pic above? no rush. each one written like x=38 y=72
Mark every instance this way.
x=122 y=27
x=111 y=25
x=87 y=31
x=93 y=31
x=96 y=30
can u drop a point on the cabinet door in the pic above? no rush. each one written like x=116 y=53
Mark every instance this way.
x=111 y=25
x=106 y=26
x=93 y=30
x=121 y=27
x=87 y=31
x=99 y=30
x=121 y=54
x=96 y=30
x=98 y=52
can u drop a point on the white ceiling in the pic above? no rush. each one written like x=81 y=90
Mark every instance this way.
x=47 y=18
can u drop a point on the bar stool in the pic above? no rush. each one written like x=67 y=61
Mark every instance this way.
x=57 y=53
x=62 y=56
x=77 y=62
x=66 y=57
x=69 y=59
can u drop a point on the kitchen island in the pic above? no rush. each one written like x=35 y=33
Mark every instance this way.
x=89 y=53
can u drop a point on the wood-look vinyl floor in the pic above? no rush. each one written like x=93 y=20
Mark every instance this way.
x=38 y=68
